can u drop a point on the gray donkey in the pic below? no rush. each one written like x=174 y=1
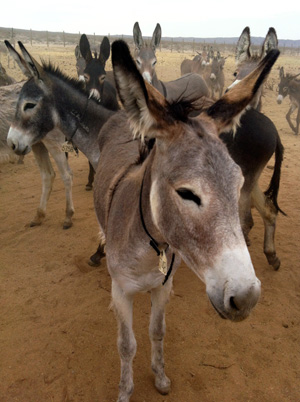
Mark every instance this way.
x=178 y=202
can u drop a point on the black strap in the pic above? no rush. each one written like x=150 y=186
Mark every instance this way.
x=153 y=243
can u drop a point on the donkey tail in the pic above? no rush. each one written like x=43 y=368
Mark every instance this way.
x=272 y=191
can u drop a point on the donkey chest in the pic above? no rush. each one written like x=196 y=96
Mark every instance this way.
x=135 y=271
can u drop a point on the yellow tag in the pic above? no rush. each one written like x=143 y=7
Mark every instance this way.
x=67 y=147
x=162 y=266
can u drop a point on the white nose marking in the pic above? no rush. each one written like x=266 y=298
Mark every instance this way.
x=147 y=76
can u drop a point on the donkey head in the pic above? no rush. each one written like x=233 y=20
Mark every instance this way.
x=94 y=72
x=246 y=60
x=145 y=53
x=195 y=185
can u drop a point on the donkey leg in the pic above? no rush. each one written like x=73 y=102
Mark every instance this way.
x=47 y=173
x=89 y=185
x=288 y=117
x=269 y=214
x=245 y=214
x=67 y=177
x=157 y=329
x=297 y=122
x=126 y=341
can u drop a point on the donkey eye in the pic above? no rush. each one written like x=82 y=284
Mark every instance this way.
x=86 y=77
x=188 y=195
x=235 y=74
x=29 y=105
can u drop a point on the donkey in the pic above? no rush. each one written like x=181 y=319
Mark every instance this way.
x=215 y=79
x=186 y=88
x=246 y=60
x=96 y=84
x=50 y=108
x=288 y=85
x=95 y=75
x=8 y=101
x=252 y=145
x=5 y=79
x=180 y=202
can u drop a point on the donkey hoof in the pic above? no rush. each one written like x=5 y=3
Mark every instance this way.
x=35 y=223
x=274 y=261
x=67 y=225
x=163 y=386
x=88 y=187
x=276 y=264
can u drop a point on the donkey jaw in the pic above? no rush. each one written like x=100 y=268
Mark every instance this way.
x=18 y=141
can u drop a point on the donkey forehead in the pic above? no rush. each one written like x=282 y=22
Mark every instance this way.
x=94 y=68
x=196 y=153
x=246 y=67
x=145 y=54
x=32 y=90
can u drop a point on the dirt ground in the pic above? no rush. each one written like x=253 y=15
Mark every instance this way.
x=58 y=336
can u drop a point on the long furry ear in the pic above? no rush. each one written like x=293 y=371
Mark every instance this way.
x=227 y=110
x=281 y=73
x=18 y=59
x=145 y=106
x=270 y=42
x=137 y=36
x=34 y=67
x=242 y=51
x=85 y=48
x=156 y=37
x=104 y=51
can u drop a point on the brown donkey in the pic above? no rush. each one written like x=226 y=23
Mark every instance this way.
x=186 y=88
x=288 y=85
x=180 y=202
x=246 y=60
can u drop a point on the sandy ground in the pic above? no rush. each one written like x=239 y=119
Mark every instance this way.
x=58 y=336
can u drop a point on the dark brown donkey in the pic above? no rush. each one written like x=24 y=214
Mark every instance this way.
x=288 y=85
x=96 y=82
x=186 y=88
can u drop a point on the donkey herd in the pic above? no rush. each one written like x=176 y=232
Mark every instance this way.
x=176 y=170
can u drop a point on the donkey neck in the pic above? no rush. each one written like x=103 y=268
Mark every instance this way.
x=80 y=120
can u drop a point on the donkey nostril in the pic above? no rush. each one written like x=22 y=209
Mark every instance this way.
x=13 y=147
x=232 y=304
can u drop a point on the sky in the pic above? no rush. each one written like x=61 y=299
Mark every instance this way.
x=186 y=18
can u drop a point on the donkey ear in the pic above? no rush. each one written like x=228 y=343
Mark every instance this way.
x=18 y=59
x=137 y=36
x=144 y=105
x=281 y=72
x=228 y=109
x=242 y=51
x=77 y=52
x=85 y=49
x=156 y=37
x=35 y=69
x=104 y=51
x=270 y=42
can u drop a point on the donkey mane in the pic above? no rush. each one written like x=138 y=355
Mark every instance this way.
x=55 y=71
